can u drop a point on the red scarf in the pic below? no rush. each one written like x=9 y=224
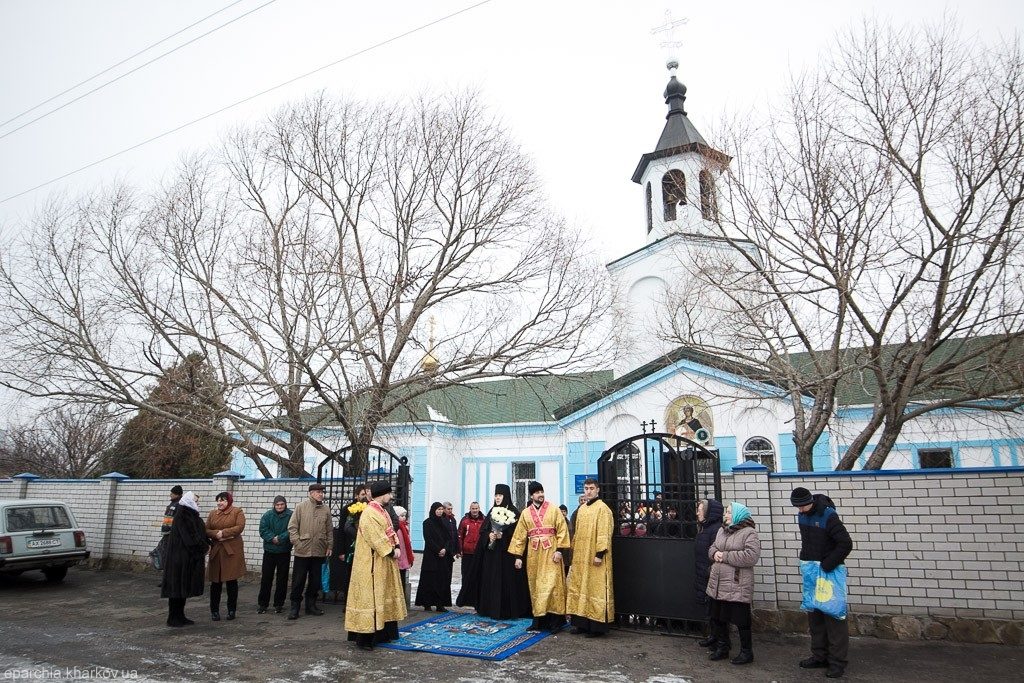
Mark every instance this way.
x=540 y=534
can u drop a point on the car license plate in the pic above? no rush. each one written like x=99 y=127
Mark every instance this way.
x=43 y=543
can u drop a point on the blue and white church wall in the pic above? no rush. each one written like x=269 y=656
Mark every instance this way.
x=961 y=437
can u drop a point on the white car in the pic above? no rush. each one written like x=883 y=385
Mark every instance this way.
x=40 y=534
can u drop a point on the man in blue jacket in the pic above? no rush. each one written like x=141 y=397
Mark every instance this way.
x=277 y=554
x=824 y=539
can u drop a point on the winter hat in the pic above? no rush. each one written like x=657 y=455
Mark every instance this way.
x=740 y=512
x=379 y=488
x=801 y=497
x=280 y=499
x=534 y=487
x=317 y=487
x=401 y=511
x=176 y=490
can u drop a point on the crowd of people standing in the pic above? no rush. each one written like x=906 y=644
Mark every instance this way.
x=534 y=563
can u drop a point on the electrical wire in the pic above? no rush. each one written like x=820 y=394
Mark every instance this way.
x=114 y=66
x=130 y=72
x=251 y=97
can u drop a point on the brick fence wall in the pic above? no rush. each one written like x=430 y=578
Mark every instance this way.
x=936 y=553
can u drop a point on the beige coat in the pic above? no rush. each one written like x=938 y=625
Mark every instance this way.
x=310 y=529
x=732 y=579
x=227 y=556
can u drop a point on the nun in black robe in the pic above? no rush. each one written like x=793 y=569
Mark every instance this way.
x=435 y=586
x=494 y=586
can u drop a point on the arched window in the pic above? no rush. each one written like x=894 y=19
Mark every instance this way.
x=759 y=449
x=650 y=209
x=708 y=199
x=673 y=192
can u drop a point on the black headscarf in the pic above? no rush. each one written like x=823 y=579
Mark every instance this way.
x=506 y=499
x=433 y=518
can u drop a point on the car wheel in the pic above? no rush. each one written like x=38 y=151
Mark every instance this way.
x=55 y=574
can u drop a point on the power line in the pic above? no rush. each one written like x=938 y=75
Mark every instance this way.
x=247 y=99
x=114 y=66
x=141 y=66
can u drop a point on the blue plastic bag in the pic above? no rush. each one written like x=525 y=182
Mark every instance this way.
x=824 y=591
x=325 y=578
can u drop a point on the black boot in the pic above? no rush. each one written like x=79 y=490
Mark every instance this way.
x=293 y=613
x=746 y=655
x=710 y=639
x=232 y=599
x=312 y=608
x=215 y=601
x=173 y=610
x=722 y=647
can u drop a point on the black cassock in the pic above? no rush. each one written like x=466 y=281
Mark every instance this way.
x=435 y=587
x=494 y=586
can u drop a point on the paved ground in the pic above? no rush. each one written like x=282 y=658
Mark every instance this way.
x=115 y=620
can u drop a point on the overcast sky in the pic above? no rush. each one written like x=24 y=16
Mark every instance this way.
x=579 y=83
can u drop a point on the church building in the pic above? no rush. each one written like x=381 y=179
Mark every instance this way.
x=462 y=441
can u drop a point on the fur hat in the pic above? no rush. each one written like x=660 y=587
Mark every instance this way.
x=379 y=488
x=534 y=487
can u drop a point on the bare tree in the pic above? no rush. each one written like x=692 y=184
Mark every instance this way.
x=67 y=442
x=883 y=201
x=303 y=263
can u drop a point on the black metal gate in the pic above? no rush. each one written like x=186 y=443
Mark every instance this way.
x=653 y=483
x=383 y=465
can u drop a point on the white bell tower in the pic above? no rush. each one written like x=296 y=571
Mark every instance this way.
x=679 y=178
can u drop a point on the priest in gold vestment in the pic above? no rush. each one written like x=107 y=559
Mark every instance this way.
x=591 y=600
x=376 y=599
x=542 y=534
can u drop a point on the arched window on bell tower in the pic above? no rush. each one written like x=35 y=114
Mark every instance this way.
x=708 y=199
x=650 y=210
x=673 y=192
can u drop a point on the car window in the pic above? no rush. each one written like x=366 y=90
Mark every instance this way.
x=37 y=517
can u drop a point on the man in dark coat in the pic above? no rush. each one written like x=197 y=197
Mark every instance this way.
x=823 y=538
x=184 y=575
x=493 y=584
x=344 y=538
x=709 y=521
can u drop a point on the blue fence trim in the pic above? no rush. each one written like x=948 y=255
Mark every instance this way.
x=902 y=473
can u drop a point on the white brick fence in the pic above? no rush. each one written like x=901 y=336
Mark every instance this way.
x=937 y=554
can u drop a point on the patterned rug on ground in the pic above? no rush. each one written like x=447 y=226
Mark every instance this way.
x=467 y=635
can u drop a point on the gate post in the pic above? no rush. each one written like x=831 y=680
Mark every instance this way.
x=750 y=482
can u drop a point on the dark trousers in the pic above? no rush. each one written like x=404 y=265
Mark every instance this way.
x=311 y=568
x=274 y=564
x=722 y=614
x=175 y=609
x=830 y=638
x=232 y=595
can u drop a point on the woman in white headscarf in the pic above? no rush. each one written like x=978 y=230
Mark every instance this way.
x=184 y=562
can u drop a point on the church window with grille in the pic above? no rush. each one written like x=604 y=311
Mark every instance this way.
x=673 y=192
x=522 y=474
x=760 y=449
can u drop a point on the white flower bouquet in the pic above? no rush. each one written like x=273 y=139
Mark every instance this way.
x=501 y=517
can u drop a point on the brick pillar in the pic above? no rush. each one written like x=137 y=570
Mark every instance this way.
x=225 y=481
x=751 y=488
x=21 y=482
x=108 y=500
